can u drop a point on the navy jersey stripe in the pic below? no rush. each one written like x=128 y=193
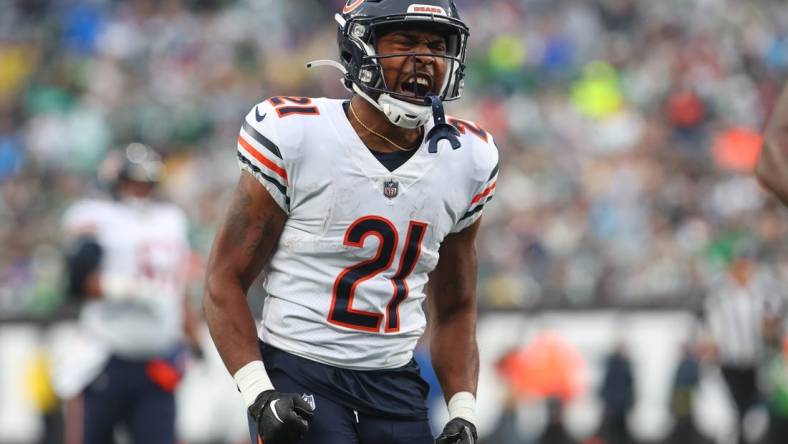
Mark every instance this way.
x=264 y=141
x=257 y=170
x=494 y=172
x=475 y=210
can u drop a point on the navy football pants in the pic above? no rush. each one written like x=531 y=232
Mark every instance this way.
x=336 y=424
x=124 y=394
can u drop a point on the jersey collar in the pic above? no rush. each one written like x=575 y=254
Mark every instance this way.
x=407 y=173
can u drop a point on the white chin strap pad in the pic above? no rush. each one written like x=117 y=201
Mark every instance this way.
x=399 y=112
x=404 y=114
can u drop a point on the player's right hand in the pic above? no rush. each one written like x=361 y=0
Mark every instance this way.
x=281 y=418
x=457 y=431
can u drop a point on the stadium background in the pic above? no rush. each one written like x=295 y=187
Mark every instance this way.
x=627 y=131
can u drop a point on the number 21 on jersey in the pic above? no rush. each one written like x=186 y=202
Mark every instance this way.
x=342 y=311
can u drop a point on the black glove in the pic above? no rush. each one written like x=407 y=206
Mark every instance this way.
x=457 y=431
x=281 y=418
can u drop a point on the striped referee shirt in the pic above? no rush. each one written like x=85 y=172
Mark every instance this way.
x=735 y=316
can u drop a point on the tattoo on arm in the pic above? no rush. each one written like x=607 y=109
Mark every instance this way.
x=252 y=224
x=247 y=230
x=238 y=219
x=263 y=229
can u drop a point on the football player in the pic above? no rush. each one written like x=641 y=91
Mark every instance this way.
x=772 y=168
x=359 y=210
x=127 y=264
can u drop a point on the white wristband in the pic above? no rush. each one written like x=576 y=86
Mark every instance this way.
x=463 y=405
x=252 y=379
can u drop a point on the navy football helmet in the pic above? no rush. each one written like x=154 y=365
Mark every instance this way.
x=141 y=163
x=363 y=21
x=136 y=163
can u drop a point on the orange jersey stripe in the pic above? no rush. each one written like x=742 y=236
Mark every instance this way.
x=484 y=193
x=262 y=159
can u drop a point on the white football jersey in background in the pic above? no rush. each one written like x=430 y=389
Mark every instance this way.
x=346 y=284
x=143 y=278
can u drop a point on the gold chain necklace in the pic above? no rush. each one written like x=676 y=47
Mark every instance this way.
x=352 y=111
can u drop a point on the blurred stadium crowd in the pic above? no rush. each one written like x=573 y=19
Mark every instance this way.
x=627 y=130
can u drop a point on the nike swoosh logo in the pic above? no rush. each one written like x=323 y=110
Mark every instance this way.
x=469 y=435
x=273 y=408
x=258 y=116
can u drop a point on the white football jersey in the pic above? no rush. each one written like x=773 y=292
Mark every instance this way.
x=143 y=274
x=345 y=286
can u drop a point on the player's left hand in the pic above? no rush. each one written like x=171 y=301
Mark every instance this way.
x=281 y=418
x=457 y=431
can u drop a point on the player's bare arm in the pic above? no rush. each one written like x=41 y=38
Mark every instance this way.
x=772 y=168
x=244 y=243
x=452 y=308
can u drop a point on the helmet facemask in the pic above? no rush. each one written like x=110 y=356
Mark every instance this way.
x=372 y=77
x=408 y=106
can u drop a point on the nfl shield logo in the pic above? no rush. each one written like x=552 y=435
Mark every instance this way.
x=310 y=399
x=390 y=189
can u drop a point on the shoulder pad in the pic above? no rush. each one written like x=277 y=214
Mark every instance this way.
x=467 y=127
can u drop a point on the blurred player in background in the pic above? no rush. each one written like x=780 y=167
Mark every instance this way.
x=127 y=264
x=772 y=168
x=353 y=206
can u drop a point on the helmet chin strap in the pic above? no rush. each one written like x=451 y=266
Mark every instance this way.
x=399 y=112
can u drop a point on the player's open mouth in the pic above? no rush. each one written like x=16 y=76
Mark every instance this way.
x=418 y=86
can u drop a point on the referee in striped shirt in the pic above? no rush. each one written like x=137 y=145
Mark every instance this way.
x=743 y=311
